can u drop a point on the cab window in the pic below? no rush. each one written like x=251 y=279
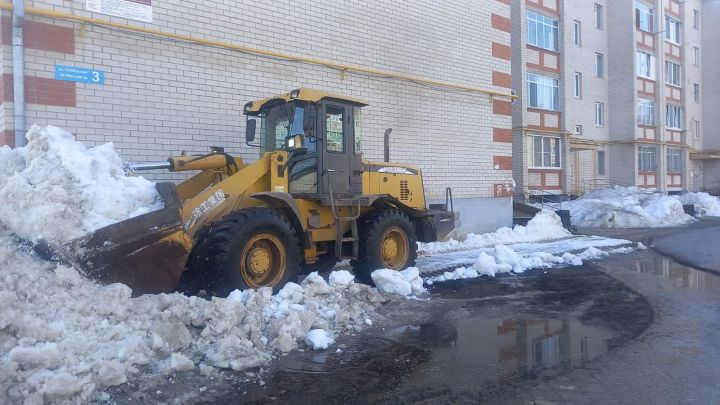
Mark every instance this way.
x=334 y=129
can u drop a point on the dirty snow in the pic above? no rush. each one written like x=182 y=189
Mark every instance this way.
x=67 y=188
x=544 y=226
x=405 y=283
x=65 y=338
x=626 y=207
x=705 y=204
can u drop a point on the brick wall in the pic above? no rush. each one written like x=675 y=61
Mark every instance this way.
x=162 y=97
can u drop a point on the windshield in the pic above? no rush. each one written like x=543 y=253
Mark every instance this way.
x=279 y=122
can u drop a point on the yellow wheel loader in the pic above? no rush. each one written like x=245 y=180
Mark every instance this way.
x=307 y=202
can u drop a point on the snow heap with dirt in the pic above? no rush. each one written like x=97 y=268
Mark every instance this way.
x=546 y=225
x=65 y=338
x=66 y=188
x=626 y=207
x=705 y=204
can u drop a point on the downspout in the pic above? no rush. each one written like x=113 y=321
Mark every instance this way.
x=18 y=71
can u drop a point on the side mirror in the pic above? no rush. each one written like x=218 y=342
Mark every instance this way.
x=250 y=130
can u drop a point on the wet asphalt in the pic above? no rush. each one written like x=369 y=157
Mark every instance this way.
x=633 y=328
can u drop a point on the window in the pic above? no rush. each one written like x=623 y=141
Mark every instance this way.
x=334 y=121
x=543 y=92
x=546 y=151
x=599 y=114
x=599 y=65
x=601 y=162
x=357 y=132
x=578 y=130
x=696 y=93
x=696 y=19
x=542 y=31
x=577 y=89
x=696 y=56
x=577 y=33
x=674 y=160
x=644 y=16
x=672 y=73
x=696 y=129
x=673 y=116
x=645 y=64
x=646 y=112
x=598 y=16
x=672 y=30
x=646 y=158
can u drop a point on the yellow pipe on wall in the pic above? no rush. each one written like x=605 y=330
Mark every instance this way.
x=187 y=38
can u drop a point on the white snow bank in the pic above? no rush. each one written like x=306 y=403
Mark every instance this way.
x=626 y=207
x=55 y=188
x=506 y=260
x=65 y=339
x=319 y=339
x=705 y=204
x=405 y=283
x=545 y=225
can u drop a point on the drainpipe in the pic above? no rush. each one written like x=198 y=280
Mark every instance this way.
x=18 y=71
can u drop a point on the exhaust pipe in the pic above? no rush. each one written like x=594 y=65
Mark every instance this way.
x=387 y=145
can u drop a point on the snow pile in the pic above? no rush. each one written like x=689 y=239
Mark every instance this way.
x=544 y=226
x=506 y=260
x=405 y=283
x=65 y=338
x=626 y=207
x=319 y=339
x=705 y=204
x=66 y=188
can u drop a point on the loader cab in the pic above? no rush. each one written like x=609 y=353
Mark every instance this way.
x=321 y=133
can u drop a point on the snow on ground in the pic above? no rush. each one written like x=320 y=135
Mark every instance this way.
x=705 y=204
x=405 y=283
x=65 y=338
x=545 y=225
x=626 y=207
x=67 y=188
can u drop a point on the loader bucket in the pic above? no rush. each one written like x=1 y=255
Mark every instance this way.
x=147 y=252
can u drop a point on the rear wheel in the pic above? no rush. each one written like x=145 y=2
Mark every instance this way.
x=387 y=241
x=250 y=248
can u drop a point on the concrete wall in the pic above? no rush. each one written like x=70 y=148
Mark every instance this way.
x=162 y=97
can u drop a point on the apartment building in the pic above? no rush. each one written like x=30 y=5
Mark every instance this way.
x=611 y=94
x=707 y=152
x=437 y=73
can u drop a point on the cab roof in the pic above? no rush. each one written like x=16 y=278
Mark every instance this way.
x=303 y=94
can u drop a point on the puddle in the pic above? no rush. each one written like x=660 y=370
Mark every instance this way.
x=679 y=275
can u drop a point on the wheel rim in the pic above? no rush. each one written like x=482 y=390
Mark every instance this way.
x=263 y=261
x=394 y=248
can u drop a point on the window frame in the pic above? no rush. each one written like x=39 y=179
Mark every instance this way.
x=599 y=65
x=674 y=161
x=577 y=33
x=343 y=120
x=696 y=19
x=650 y=62
x=672 y=35
x=600 y=156
x=650 y=12
x=554 y=87
x=554 y=153
x=696 y=93
x=696 y=56
x=673 y=71
x=599 y=19
x=674 y=112
x=696 y=129
x=546 y=22
x=599 y=114
x=577 y=85
x=645 y=104
x=643 y=154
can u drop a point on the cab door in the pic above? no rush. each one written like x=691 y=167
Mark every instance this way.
x=338 y=150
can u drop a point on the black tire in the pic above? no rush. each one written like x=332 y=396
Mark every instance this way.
x=373 y=230
x=223 y=259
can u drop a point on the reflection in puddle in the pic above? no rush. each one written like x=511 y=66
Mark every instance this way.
x=680 y=275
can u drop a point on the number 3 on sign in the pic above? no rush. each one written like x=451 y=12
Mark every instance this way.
x=95 y=76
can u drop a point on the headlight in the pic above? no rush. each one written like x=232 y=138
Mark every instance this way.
x=291 y=143
x=295 y=94
x=248 y=106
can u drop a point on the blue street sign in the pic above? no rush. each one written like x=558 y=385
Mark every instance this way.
x=78 y=74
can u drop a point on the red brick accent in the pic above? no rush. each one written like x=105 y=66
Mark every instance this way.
x=646 y=130
x=504 y=162
x=502 y=107
x=543 y=114
x=541 y=7
x=7 y=138
x=502 y=135
x=506 y=326
x=541 y=65
x=645 y=183
x=500 y=23
x=44 y=91
x=543 y=183
x=501 y=79
x=43 y=36
x=505 y=2
x=500 y=51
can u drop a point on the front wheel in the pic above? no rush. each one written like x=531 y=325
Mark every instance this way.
x=387 y=241
x=250 y=248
